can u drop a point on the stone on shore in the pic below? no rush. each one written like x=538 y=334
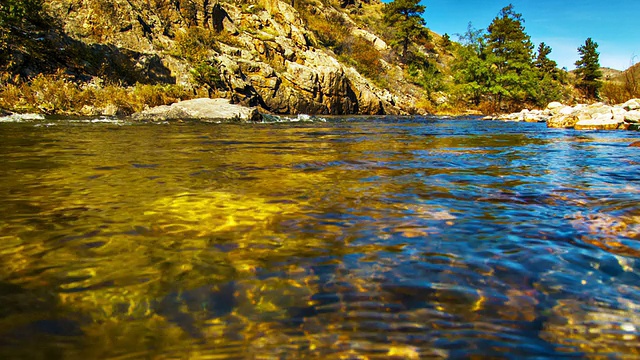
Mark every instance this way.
x=599 y=122
x=562 y=121
x=633 y=104
x=598 y=116
x=554 y=106
x=632 y=116
x=200 y=109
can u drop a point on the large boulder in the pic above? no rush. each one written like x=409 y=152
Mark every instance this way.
x=200 y=109
x=562 y=121
x=599 y=122
x=377 y=43
x=632 y=116
x=633 y=104
x=554 y=107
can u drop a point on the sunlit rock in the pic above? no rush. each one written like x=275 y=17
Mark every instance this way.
x=601 y=121
x=632 y=116
x=633 y=104
x=562 y=121
x=200 y=109
x=554 y=107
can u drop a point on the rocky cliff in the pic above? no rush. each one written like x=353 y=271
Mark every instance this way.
x=255 y=52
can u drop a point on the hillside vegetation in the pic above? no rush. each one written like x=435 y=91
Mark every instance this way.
x=297 y=56
x=622 y=85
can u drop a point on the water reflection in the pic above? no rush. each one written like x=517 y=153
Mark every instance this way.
x=405 y=238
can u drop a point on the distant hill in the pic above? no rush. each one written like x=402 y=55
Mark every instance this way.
x=610 y=74
x=619 y=86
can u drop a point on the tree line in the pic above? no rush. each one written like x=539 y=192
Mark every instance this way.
x=497 y=66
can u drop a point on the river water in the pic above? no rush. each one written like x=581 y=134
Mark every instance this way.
x=350 y=238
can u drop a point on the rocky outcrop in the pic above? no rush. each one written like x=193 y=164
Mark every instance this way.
x=203 y=109
x=596 y=116
x=264 y=52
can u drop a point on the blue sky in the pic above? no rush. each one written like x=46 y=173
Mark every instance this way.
x=562 y=24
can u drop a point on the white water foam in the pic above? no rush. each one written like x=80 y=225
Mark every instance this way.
x=21 y=117
x=287 y=119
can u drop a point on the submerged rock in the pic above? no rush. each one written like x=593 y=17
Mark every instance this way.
x=200 y=109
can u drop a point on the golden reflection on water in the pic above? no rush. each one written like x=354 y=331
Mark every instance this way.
x=295 y=242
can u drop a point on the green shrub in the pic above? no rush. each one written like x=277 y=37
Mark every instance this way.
x=195 y=43
x=206 y=73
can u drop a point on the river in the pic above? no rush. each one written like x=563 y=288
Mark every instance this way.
x=350 y=238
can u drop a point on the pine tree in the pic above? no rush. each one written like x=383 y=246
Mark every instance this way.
x=548 y=87
x=405 y=17
x=588 y=69
x=542 y=62
x=509 y=49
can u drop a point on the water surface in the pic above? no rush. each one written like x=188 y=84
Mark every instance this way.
x=357 y=238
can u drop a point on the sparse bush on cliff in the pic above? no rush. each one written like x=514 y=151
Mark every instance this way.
x=195 y=43
x=207 y=74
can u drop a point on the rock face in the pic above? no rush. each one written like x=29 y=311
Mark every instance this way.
x=596 y=116
x=200 y=109
x=264 y=52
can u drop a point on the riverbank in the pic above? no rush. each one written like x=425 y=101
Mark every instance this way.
x=597 y=116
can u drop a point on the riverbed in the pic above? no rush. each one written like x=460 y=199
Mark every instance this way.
x=352 y=237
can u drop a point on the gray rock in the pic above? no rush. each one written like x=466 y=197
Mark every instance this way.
x=200 y=109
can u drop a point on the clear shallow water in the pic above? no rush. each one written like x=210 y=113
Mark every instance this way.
x=351 y=238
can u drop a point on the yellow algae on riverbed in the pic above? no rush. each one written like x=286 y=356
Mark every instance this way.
x=207 y=213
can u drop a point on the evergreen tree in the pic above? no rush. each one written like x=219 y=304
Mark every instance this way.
x=405 y=17
x=548 y=87
x=542 y=62
x=471 y=71
x=446 y=41
x=588 y=69
x=509 y=50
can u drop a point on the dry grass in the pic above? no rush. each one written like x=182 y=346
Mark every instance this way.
x=55 y=94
